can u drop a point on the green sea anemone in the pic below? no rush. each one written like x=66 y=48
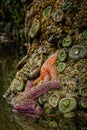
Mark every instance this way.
x=47 y=11
x=67 y=41
x=61 y=67
x=62 y=55
x=66 y=5
x=84 y=34
x=67 y=104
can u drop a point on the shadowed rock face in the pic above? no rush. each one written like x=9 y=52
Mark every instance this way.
x=25 y=103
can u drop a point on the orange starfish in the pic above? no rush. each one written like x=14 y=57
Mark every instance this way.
x=48 y=70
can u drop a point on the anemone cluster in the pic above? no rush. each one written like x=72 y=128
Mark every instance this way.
x=60 y=25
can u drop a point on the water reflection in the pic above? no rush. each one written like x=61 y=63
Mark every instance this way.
x=9 y=121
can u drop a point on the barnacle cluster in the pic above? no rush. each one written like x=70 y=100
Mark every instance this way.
x=60 y=25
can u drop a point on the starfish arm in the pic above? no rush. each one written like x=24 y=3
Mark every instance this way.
x=45 y=68
x=51 y=60
x=53 y=73
x=46 y=78
x=42 y=88
x=42 y=74
x=28 y=106
x=37 y=80
x=29 y=86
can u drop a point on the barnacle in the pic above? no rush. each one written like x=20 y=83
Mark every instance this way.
x=67 y=104
x=53 y=38
x=77 y=52
x=34 y=72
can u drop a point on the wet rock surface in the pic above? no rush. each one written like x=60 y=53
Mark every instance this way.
x=60 y=26
x=9 y=120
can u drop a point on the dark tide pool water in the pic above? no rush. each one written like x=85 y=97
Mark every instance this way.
x=8 y=121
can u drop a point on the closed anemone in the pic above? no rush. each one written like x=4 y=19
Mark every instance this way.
x=58 y=16
x=77 y=52
x=84 y=34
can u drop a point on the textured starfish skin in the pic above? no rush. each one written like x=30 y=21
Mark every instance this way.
x=48 y=70
x=25 y=101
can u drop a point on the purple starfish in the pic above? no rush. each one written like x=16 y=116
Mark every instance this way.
x=25 y=101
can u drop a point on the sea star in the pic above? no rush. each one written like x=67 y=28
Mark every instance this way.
x=25 y=102
x=48 y=70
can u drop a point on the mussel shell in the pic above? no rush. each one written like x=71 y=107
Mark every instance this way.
x=34 y=73
x=34 y=28
x=53 y=38
x=7 y=93
x=36 y=59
